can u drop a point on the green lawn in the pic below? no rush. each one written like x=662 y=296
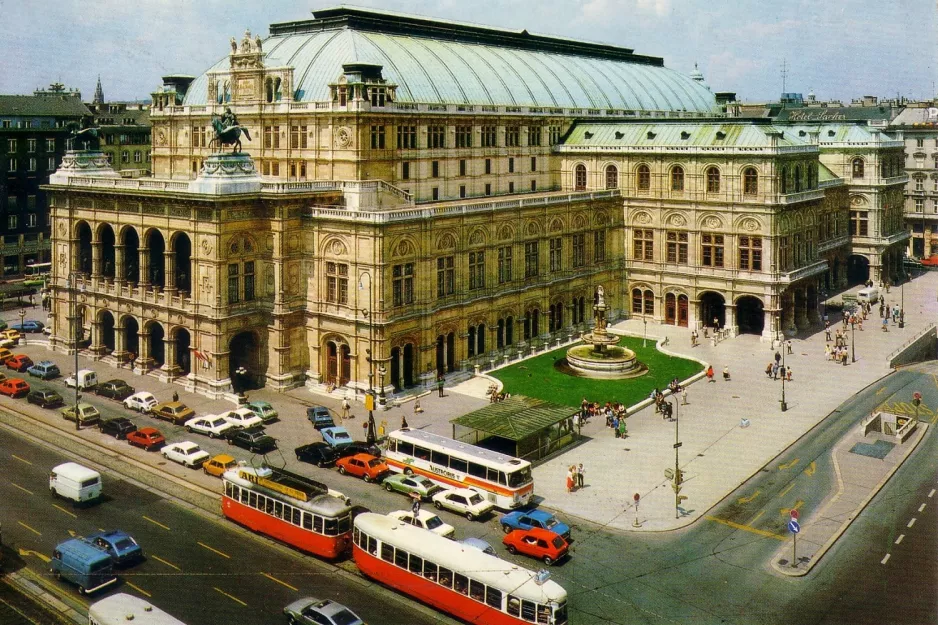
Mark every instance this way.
x=536 y=377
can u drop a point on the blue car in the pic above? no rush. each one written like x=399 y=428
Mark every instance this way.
x=45 y=370
x=337 y=437
x=119 y=545
x=520 y=520
x=30 y=325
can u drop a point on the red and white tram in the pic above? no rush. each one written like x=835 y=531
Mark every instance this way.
x=292 y=508
x=452 y=577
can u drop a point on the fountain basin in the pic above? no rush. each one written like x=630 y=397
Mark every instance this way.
x=613 y=362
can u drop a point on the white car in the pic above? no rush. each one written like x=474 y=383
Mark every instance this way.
x=464 y=501
x=242 y=418
x=141 y=402
x=8 y=343
x=185 y=453
x=425 y=519
x=211 y=425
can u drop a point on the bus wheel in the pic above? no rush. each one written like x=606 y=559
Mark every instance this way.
x=409 y=471
x=81 y=590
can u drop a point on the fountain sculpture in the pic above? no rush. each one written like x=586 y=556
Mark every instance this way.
x=600 y=356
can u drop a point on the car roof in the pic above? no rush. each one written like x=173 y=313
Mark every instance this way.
x=143 y=395
x=223 y=458
x=148 y=430
x=465 y=492
x=540 y=515
x=539 y=532
x=185 y=445
x=335 y=430
x=364 y=457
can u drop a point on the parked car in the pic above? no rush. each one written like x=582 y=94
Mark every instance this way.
x=173 y=411
x=146 y=438
x=320 y=417
x=544 y=545
x=3 y=376
x=211 y=425
x=44 y=370
x=219 y=464
x=7 y=343
x=264 y=410
x=185 y=453
x=11 y=335
x=242 y=418
x=409 y=484
x=121 y=546
x=5 y=355
x=481 y=545
x=464 y=501
x=29 y=325
x=254 y=440
x=118 y=427
x=931 y=261
x=336 y=436
x=87 y=414
x=115 y=389
x=521 y=520
x=425 y=519
x=14 y=387
x=141 y=402
x=365 y=466
x=19 y=363
x=87 y=379
x=318 y=453
x=311 y=611
x=358 y=447
x=44 y=398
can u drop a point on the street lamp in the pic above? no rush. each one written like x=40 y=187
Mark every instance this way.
x=371 y=437
x=784 y=403
x=902 y=304
x=678 y=478
x=241 y=374
x=22 y=321
x=645 y=335
x=853 y=342
x=72 y=284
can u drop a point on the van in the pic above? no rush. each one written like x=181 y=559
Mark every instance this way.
x=869 y=295
x=320 y=417
x=82 y=564
x=86 y=379
x=75 y=482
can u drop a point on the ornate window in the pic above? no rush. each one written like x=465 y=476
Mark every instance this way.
x=504 y=264
x=579 y=178
x=476 y=270
x=463 y=136
x=403 y=284
x=377 y=137
x=612 y=177
x=677 y=178
x=579 y=250
x=712 y=250
x=750 y=253
x=797 y=179
x=406 y=137
x=643 y=302
x=643 y=244
x=677 y=247
x=531 y=259
x=445 y=276
x=783 y=180
x=858 y=168
x=489 y=136
x=643 y=178
x=337 y=283
x=859 y=223
x=436 y=137
x=713 y=180
x=512 y=136
x=599 y=246
x=556 y=254
x=534 y=135
x=750 y=181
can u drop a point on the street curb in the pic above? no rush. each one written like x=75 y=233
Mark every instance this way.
x=26 y=582
x=798 y=572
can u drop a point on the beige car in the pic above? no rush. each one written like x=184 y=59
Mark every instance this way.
x=87 y=414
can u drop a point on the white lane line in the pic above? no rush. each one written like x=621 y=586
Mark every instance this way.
x=921 y=507
x=931 y=494
x=911 y=523
x=884 y=560
x=899 y=540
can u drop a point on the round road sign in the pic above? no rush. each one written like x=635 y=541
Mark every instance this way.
x=793 y=526
x=794 y=513
x=636 y=497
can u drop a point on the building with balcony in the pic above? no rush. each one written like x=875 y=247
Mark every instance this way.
x=918 y=123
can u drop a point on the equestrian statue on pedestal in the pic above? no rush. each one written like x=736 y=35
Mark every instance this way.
x=228 y=131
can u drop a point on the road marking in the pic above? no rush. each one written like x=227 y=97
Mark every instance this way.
x=899 y=540
x=225 y=555
x=749 y=498
x=911 y=523
x=30 y=552
x=787 y=511
x=138 y=589
x=746 y=528
x=811 y=469
x=36 y=532
x=921 y=507
x=272 y=578
x=787 y=488
x=23 y=460
x=71 y=514
x=884 y=560
x=169 y=564
x=788 y=465
x=756 y=518
x=25 y=490
x=883 y=389
x=155 y=522
x=229 y=596
x=931 y=494
x=72 y=533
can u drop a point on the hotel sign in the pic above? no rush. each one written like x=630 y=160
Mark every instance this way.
x=816 y=116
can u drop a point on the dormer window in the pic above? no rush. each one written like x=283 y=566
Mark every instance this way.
x=831 y=133
x=651 y=135
x=342 y=95
x=619 y=134
x=685 y=135
x=378 y=96
x=721 y=135
x=802 y=133
x=588 y=134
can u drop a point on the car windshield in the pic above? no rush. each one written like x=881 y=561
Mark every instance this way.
x=550 y=523
x=433 y=522
x=424 y=482
x=230 y=464
x=193 y=450
x=475 y=499
x=558 y=542
x=374 y=463
x=217 y=423
x=341 y=435
x=125 y=543
x=344 y=617
x=519 y=477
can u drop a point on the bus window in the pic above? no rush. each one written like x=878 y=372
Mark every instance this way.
x=461 y=584
x=403 y=447
x=560 y=614
x=332 y=527
x=253 y=503
x=543 y=614
x=476 y=590
x=317 y=524
x=493 y=597
x=514 y=606
x=458 y=465
x=296 y=516
x=446 y=577
x=422 y=453
x=416 y=564
x=278 y=509
x=400 y=558
x=429 y=571
x=345 y=523
x=517 y=478
x=440 y=458
x=528 y=610
x=307 y=521
x=373 y=546
x=269 y=506
x=493 y=476
x=477 y=470
x=387 y=552
x=358 y=538
x=228 y=488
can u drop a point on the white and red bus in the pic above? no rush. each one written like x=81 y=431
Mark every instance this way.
x=503 y=480
x=292 y=508
x=455 y=578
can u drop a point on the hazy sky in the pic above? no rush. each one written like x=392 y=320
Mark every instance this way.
x=839 y=49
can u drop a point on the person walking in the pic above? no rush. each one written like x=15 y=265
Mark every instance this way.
x=415 y=504
x=684 y=396
x=778 y=357
x=623 y=430
x=775 y=371
x=789 y=374
x=788 y=346
x=768 y=369
x=175 y=396
x=345 y=408
x=580 y=472
x=440 y=381
x=404 y=425
x=710 y=374
x=615 y=426
x=726 y=374
x=570 y=479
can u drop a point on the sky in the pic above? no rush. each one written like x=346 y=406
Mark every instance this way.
x=837 y=49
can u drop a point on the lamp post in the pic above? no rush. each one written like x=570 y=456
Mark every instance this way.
x=678 y=478
x=371 y=436
x=72 y=284
x=783 y=402
x=853 y=342
x=645 y=333
x=902 y=304
x=22 y=321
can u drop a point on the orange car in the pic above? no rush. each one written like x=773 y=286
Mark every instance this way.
x=219 y=464
x=365 y=466
x=147 y=438
x=19 y=363
x=14 y=387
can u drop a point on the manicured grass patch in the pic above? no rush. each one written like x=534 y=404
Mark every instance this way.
x=536 y=377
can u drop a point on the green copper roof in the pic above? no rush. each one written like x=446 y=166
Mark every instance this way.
x=824 y=173
x=679 y=135
x=515 y=418
x=471 y=66
x=838 y=133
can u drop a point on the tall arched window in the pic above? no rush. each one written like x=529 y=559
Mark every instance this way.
x=643 y=178
x=579 y=178
x=783 y=180
x=797 y=179
x=637 y=301
x=750 y=181
x=612 y=177
x=858 y=167
x=677 y=178
x=812 y=176
x=713 y=180
x=649 y=303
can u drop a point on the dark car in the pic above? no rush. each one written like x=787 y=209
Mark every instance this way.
x=118 y=427
x=115 y=389
x=254 y=440
x=45 y=399
x=121 y=546
x=29 y=325
x=359 y=447
x=318 y=453
x=320 y=417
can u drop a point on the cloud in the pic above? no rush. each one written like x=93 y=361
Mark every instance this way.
x=728 y=69
x=761 y=30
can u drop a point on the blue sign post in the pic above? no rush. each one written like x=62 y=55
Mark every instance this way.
x=794 y=528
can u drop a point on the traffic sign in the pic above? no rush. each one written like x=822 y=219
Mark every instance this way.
x=676 y=445
x=793 y=526
x=794 y=513
x=636 y=497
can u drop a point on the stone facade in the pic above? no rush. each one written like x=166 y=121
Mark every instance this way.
x=918 y=124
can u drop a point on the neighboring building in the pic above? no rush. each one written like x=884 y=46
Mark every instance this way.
x=32 y=141
x=124 y=129
x=918 y=125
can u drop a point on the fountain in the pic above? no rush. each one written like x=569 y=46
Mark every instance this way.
x=600 y=356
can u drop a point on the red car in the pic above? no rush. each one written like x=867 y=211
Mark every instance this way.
x=14 y=387
x=147 y=438
x=19 y=363
x=365 y=466
x=538 y=543
x=931 y=261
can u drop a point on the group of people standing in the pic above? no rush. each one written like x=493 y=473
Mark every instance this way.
x=775 y=369
x=575 y=477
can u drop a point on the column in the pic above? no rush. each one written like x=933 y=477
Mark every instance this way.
x=169 y=349
x=120 y=351
x=96 y=346
x=96 y=261
x=814 y=313
x=729 y=319
x=143 y=358
x=144 y=265
x=801 y=311
x=120 y=272
x=788 y=314
x=169 y=269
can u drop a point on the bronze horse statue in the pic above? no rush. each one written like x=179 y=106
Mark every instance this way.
x=84 y=135
x=227 y=135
